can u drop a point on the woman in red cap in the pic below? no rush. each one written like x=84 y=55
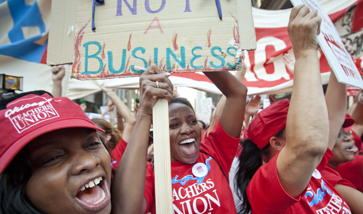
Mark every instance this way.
x=341 y=146
x=353 y=170
x=292 y=138
x=52 y=159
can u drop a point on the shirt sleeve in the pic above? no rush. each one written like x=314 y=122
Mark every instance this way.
x=149 y=187
x=221 y=146
x=331 y=175
x=265 y=192
x=117 y=153
x=326 y=158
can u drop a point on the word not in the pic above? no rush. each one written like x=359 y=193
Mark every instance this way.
x=133 y=9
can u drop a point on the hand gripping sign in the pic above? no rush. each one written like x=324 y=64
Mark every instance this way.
x=330 y=42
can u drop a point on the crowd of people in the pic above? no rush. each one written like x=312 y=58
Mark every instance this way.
x=301 y=155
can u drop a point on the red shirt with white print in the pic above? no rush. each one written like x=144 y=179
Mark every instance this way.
x=204 y=189
x=266 y=194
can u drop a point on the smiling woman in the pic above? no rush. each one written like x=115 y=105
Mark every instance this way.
x=199 y=171
x=52 y=159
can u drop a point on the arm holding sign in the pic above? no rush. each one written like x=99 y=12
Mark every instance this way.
x=307 y=120
x=129 y=180
x=234 y=109
x=336 y=102
x=221 y=104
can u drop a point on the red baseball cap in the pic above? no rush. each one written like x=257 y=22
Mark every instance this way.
x=269 y=122
x=348 y=125
x=357 y=140
x=31 y=116
x=349 y=121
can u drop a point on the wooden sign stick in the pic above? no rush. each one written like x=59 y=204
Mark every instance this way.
x=163 y=194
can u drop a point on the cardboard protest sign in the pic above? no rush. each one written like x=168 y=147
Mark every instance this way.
x=62 y=32
x=178 y=36
x=330 y=42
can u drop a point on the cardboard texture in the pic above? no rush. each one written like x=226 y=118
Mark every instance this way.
x=62 y=30
x=331 y=44
x=178 y=36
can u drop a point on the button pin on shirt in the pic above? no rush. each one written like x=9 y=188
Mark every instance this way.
x=200 y=170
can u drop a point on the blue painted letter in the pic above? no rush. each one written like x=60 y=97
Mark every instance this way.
x=231 y=54
x=181 y=61
x=136 y=57
x=110 y=62
x=85 y=45
x=218 y=57
x=187 y=7
x=156 y=53
x=148 y=9
x=132 y=9
x=195 y=56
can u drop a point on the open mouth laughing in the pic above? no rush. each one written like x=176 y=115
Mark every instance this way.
x=189 y=147
x=353 y=148
x=94 y=194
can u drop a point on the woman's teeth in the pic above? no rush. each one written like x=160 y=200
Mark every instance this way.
x=190 y=140
x=91 y=184
x=101 y=199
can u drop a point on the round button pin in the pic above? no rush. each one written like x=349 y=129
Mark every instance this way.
x=200 y=170
x=316 y=174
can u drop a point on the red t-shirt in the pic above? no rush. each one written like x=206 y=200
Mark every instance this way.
x=332 y=176
x=117 y=153
x=266 y=194
x=352 y=171
x=209 y=193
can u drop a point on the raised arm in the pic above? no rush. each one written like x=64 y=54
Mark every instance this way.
x=129 y=180
x=336 y=102
x=239 y=95
x=110 y=109
x=58 y=73
x=122 y=110
x=307 y=121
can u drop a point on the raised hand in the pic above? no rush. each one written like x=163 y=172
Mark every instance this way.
x=154 y=84
x=59 y=72
x=106 y=90
x=254 y=105
x=303 y=28
x=289 y=61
